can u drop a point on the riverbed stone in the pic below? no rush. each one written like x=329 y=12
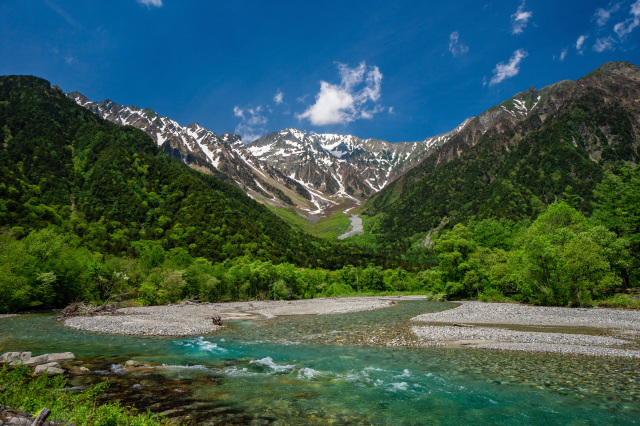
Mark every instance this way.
x=52 y=368
x=15 y=357
x=61 y=357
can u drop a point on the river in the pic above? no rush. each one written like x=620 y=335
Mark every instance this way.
x=321 y=369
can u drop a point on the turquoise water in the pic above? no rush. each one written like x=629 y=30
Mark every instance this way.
x=306 y=370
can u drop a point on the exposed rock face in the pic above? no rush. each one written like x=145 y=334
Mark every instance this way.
x=311 y=172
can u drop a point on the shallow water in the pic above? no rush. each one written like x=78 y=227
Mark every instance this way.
x=319 y=369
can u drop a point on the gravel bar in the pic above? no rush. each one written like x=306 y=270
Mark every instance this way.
x=7 y=315
x=502 y=335
x=622 y=323
x=512 y=313
x=188 y=319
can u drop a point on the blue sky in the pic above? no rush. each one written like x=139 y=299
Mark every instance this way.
x=393 y=70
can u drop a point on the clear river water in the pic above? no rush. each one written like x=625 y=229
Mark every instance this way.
x=322 y=369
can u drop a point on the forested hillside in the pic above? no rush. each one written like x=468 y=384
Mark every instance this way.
x=111 y=185
x=84 y=201
x=512 y=171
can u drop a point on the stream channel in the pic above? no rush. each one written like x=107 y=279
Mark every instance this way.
x=328 y=369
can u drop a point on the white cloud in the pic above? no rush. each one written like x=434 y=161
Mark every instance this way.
x=252 y=123
x=278 y=98
x=603 y=15
x=563 y=55
x=580 y=43
x=503 y=71
x=69 y=59
x=603 y=44
x=520 y=19
x=456 y=47
x=149 y=3
x=624 y=28
x=354 y=98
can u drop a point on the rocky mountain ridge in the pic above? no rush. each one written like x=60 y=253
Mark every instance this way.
x=313 y=173
x=515 y=158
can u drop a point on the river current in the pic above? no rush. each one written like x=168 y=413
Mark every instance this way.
x=324 y=369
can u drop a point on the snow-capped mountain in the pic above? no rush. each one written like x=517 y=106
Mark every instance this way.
x=341 y=165
x=310 y=172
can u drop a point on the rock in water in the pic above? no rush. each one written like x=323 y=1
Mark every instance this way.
x=52 y=368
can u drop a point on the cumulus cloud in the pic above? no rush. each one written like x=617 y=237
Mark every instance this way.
x=149 y=3
x=603 y=15
x=580 y=43
x=354 y=98
x=252 y=123
x=603 y=44
x=625 y=27
x=503 y=71
x=456 y=47
x=279 y=97
x=520 y=19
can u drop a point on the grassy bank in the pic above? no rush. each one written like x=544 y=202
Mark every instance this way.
x=18 y=389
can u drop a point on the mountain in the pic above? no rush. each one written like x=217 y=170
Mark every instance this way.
x=112 y=187
x=311 y=172
x=333 y=167
x=512 y=160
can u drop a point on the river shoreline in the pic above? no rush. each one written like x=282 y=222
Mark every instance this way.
x=470 y=324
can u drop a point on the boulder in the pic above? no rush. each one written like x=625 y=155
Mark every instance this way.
x=61 y=357
x=45 y=358
x=52 y=368
x=35 y=360
x=14 y=357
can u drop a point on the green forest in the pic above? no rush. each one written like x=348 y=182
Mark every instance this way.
x=94 y=212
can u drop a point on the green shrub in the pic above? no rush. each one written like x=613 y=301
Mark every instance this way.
x=24 y=392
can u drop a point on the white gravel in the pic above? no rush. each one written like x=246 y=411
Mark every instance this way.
x=195 y=319
x=512 y=313
x=6 y=315
x=622 y=323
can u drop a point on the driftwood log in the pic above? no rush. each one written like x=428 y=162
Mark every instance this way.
x=217 y=320
x=80 y=309
x=42 y=416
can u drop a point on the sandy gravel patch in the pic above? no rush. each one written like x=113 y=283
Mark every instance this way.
x=195 y=319
x=6 y=315
x=512 y=313
x=625 y=324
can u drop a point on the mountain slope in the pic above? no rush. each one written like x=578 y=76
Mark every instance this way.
x=314 y=173
x=61 y=165
x=341 y=165
x=530 y=151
